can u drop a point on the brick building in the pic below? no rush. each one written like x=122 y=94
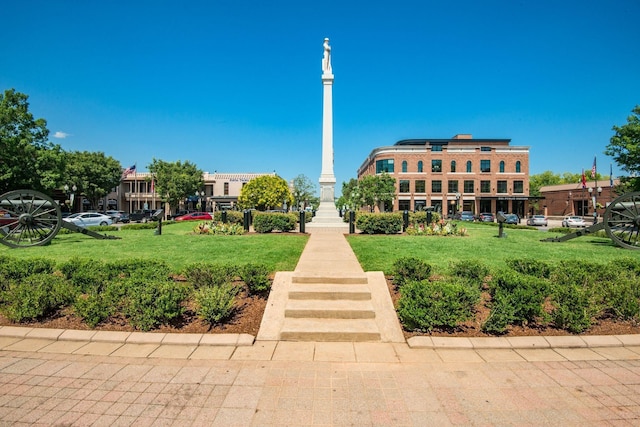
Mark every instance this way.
x=459 y=173
x=572 y=199
x=220 y=190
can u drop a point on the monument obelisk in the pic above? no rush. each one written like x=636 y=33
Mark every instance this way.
x=327 y=214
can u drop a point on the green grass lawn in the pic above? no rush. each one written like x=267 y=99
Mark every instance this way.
x=177 y=246
x=378 y=252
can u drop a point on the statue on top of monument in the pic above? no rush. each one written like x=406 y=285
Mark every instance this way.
x=326 y=59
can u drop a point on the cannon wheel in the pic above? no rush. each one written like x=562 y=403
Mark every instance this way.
x=28 y=218
x=622 y=221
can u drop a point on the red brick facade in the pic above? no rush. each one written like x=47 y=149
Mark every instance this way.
x=460 y=173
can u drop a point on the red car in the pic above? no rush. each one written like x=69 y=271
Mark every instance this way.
x=195 y=216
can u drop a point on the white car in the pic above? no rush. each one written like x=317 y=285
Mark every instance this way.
x=538 y=220
x=86 y=219
x=573 y=221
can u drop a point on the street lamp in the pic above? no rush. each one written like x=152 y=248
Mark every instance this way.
x=457 y=203
x=71 y=194
x=200 y=196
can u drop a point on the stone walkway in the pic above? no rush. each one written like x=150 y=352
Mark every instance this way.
x=83 y=378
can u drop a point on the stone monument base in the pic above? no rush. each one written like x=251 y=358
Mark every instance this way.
x=327 y=216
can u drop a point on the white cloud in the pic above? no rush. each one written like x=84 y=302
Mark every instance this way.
x=61 y=135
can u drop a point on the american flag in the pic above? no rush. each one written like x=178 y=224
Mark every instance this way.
x=593 y=169
x=128 y=171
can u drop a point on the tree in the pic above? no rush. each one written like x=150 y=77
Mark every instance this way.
x=265 y=192
x=549 y=178
x=370 y=190
x=175 y=181
x=303 y=191
x=94 y=173
x=624 y=147
x=27 y=159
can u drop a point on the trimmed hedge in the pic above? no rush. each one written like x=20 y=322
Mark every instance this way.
x=379 y=223
x=266 y=222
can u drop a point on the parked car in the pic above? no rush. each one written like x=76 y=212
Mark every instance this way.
x=142 y=215
x=178 y=213
x=511 y=219
x=487 y=217
x=573 y=221
x=86 y=219
x=195 y=216
x=118 y=216
x=540 y=220
x=465 y=216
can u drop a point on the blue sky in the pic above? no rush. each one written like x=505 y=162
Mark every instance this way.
x=235 y=85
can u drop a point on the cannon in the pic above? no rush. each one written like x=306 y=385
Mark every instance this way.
x=30 y=218
x=621 y=222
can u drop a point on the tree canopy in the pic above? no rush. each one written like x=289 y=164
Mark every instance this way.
x=93 y=173
x=27 y=158
x=175 y=181
x=370 y=190
x=550 y=178
x=624 y=147
x=265 y=192
x=303 y=191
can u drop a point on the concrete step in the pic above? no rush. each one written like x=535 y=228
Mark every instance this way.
x=321 y=291
x=329 y=330
x=330 y=309
x=328 y=278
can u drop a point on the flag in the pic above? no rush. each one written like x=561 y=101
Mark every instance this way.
x=610 y=175
x=584 y=180
x=128 y=171
x=153 y=186
x=593 y=169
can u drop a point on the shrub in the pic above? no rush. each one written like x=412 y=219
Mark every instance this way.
x=410 y=269
x=17 y=269
x=424 y=305
x=268 y=222
x=517 y=299
x=93 y=308
x=379 y=223
x=440 y=228
x=256 y=277
x=85 y=274
x=149 y=303
x=145 y=226
x=530 y=266
x=216 y=303
x=233 y=217
x=420 y=217
x=219 y=228
x=137 y=267
x=473 y=270
x=36 y=296
x=204 y=274
x=621 y=297
x=572 y=309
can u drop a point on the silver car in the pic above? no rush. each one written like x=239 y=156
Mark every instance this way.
x=85 y=219
x=573 y=221
x=540 y=220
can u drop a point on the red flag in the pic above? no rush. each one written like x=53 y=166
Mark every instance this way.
x=593 y=169
x=584 y=180
x=153 y=186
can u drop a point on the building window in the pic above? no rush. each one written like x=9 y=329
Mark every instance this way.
x=501 y=166
x=420 y=166
x=436 y=148
x=485 y=165
x=518 y=166
x=468 y=166
x=404 y=205
x=436 y=186
x=385 y=165
x=502 y=186
x=518 y=187
x=404 y=166
x=485 y=186
x=436 y=165
x=453 y=165
x=452 y=186
x=420 y=187
x=404 y=186
x=468 y=186
x=226 y=188
x=485 y=148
